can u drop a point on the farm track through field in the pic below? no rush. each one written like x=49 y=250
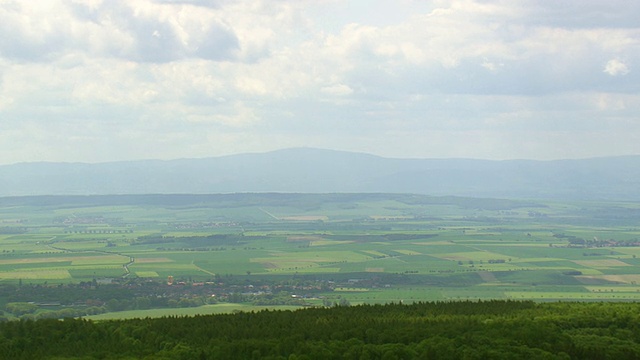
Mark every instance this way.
x=125 y=266
x=270 y=214
x=398 y=258
x=201 y=269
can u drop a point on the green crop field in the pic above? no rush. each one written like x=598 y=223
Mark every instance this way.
x=366 y=249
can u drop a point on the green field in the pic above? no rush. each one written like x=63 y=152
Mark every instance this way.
x=201 y=310
x=396 y=247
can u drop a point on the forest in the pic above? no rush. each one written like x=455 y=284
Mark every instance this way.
x=494 y=329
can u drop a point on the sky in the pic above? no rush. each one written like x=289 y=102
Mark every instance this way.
x=99 y=81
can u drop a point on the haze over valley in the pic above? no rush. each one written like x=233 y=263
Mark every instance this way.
x=306 y=170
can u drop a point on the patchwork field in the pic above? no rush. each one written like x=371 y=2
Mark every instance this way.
x=374 y=248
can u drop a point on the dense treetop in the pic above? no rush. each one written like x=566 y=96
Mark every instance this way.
x=444 y=330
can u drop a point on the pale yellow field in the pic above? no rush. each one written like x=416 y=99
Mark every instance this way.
x=35 y=260
x=47 y=274
x=487 y=276
x=287 y=260
x=318 y=270
x=440 y=242
x=288 y=264
x=624 y=279
x=604 y=263
x=374 y=253
x=100 y=266
x=533 y=259
x=472 y=255
x=75 y=260
x=147 y=274
x=516 y=244
x=153 y=260
x=305 y=238
x=407 y=252
x=305 y=218
x=94 y=260
x=329 y=242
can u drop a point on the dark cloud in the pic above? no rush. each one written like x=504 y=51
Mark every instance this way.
x=218 y=43
x=155 y=39
x=84 y=12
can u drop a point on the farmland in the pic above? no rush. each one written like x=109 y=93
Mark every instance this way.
x=317 y=249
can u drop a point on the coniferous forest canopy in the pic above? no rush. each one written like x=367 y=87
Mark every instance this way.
x=271 y=275
x=445 y=330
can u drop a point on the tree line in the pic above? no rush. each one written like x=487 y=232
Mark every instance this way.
x=444 y=330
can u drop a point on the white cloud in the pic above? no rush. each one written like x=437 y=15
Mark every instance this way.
x=337 y=90
x=133 y=30
x=615 y=67
x=491 y=66
x=320 y=73
x=236 y=116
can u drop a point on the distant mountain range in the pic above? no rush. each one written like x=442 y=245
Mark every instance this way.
x=304 y=170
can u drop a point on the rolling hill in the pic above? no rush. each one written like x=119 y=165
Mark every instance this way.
x=308 y=170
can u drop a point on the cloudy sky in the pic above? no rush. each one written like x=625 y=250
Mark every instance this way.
x=96 y=81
